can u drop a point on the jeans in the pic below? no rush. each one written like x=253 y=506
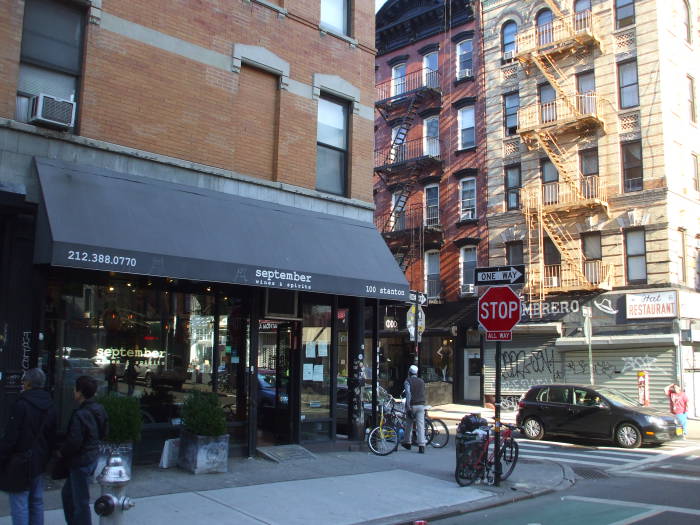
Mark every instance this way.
x=27 y=507
x=418 y=412
x=76 y=495
x=683 y=418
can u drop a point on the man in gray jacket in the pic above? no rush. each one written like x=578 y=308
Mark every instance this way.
x=415 y=410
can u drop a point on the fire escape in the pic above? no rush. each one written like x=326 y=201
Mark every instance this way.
x=550 y=208
x=400 y=166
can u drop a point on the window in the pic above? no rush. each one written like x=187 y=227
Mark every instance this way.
x=635 y=256
x=588 y=163
x=513 y=187
x=551 y=253
x=682 y=257
x=624 y=13
x=464 y=59
x=467 y=136
x=508 y=32
x=398 y=79
x=548 y=103
x=467 y=263
x=467 y=192
x=51 y=55
x=582 y=5
x=686 y=21
x=433 y=286
x=582 y=17
x=334 y=15
x=691 y=99
x=398 y=149
x=430 y=70
x=628 y=82
x=592 y=255
x=431 y=137
x=398 y=211
x=632 y=166
x=332 y=145
x=514 y=252
x=432 y=205
x=550 y=180
x=545 y=34
x=585 y=87
x=696 y=172
x=511 y=104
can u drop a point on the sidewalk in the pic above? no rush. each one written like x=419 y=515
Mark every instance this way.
x=332 y=487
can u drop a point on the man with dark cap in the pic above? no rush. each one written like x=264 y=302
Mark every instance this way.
x=415 y=410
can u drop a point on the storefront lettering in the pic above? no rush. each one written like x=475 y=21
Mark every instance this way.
x=26 y=349
x=116 y=353
x=283 y=276
x=650 y=305
x=532 y=310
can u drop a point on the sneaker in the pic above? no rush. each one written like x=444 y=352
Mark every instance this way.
x=421 y=449
x=407 y=446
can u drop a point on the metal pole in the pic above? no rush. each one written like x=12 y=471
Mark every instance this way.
x=415 y=329
x=497 y=416
x=587 y=312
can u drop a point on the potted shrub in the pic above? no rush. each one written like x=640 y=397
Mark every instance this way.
x=124 y=428
x=203 y=440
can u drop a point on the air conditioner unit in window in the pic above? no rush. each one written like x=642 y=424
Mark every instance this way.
x=468 y=289
x=464 y=73
x=466 y=215
x=46 y=110
x=508 y=55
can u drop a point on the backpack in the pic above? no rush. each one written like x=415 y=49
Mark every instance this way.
x=470 y=423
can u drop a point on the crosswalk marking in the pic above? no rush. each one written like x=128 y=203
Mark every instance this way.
x=566 y=460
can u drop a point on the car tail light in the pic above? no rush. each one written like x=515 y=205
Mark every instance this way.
x=521 y=404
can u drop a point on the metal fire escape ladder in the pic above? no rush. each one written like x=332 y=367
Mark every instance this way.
x=553 y=75
x=535 y=255
x=400 y=137
x=557 y=155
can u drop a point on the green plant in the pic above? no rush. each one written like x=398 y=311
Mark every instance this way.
x=203 y=415
x=124 y=415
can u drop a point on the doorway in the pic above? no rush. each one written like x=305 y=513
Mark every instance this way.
x=278 y=351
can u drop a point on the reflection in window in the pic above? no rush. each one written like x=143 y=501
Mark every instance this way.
x=315 y=381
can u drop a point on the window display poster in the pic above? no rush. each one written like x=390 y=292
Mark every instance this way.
x=322 y=349
x=311 y=350
x=318 y=372
x=308 y=374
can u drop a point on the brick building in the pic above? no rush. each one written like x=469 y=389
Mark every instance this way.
x=185 y=188
x=593 y=181
x=430 y=186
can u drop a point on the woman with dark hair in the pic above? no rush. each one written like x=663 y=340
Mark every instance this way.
x=86 y=428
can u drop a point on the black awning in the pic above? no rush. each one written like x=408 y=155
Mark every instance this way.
x=98 y=219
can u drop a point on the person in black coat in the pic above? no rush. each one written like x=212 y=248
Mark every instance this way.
x=32 y=425
x=86 y=428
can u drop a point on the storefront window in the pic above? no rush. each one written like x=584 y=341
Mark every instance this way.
x=436 y=359
x=316 y=380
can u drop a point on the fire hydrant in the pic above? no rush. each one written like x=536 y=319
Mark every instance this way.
x=113 y=502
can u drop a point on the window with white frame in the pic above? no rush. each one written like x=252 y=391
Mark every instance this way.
x=508 y=33
x=398 y=149
x=512 y=186
x=431 y=137
x=432 y=205
x=591 y=246
x=50 y=60
x=467 y=198
x=430 y=70
x=636 y=256
x=332 y=145
x=464 y=58
x=334 y=15
x=433 y=285
x=628 y=84
x=511 y=104
x=467 y=134
x=398 y=79
x=467 y=264
x=398 y=211
x=687 y=24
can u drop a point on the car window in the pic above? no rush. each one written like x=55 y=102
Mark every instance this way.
x=559 y=394
x=542 y=394
x=618 y=398
x=586 y=398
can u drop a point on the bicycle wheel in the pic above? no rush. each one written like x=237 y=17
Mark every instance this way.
x=508 y=456
x=465 y=473
x=382 y=441
x=429 y=433
x=440 y=433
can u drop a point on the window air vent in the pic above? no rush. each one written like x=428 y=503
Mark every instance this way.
x=508 y=55
x=464 y=73
x=53 y=112
x=467 y=289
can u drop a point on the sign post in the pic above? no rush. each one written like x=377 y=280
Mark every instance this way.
x=499 y=310
x=587 y=312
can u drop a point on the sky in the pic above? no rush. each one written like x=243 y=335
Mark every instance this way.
x=378 y=4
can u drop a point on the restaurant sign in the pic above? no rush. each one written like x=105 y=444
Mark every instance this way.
x=652 y=305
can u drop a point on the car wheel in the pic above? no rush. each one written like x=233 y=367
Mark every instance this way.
x=532 y=428
x=628 y=436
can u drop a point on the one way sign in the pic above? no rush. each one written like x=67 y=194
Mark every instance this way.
x=494 y=275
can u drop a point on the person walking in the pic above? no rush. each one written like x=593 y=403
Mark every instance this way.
x=130 y=375
x=31 y=426
x=415 y=410
x=679 y=404
x=87 y=426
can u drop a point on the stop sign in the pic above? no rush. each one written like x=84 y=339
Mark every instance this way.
x=499 y=309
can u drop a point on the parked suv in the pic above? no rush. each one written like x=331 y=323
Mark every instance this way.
x=593 y=412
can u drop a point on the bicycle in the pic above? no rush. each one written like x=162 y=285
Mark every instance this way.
x=384 y=439
x=437 y=434
x=475 y=457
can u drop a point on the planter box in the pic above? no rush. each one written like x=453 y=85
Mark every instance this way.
x=203 y=454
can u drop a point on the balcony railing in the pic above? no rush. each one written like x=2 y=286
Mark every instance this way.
x=433 y=286
x=396 y=87
x=409 y=218
x=557 y=111
x=565 y=193
x=569 y=28
x=409 y=150
x=564 y=276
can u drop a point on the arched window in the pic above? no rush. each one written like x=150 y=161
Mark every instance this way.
x=544 y=27
x=686 y=21
x=508 y=32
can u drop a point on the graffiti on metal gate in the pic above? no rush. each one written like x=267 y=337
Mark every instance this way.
x=639 y=362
